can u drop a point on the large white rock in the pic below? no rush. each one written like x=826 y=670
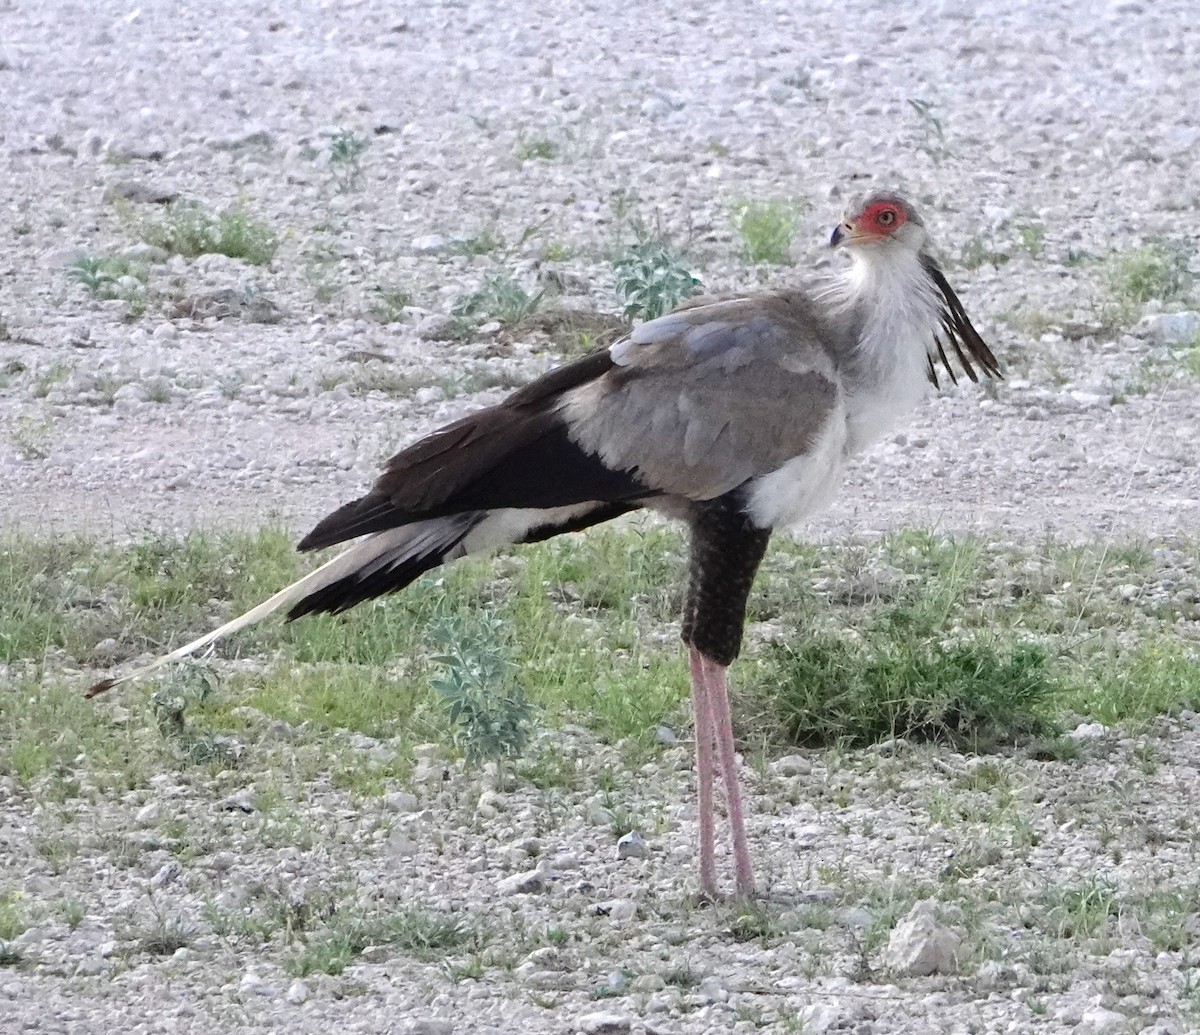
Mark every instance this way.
x=920 y=945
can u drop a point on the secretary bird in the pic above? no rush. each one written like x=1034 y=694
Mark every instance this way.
x=735 y=415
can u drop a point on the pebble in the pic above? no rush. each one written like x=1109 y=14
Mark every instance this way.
x=619 y=910
x=427 y=1026
x=603 y=1023
x=528 y=883
x=402 y=801
x=1098 y=1020
x=631 y=846
x=919 y=945
x=297 y=992
x=791 y=765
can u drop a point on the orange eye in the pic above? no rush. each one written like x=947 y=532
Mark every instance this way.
x=886 y=218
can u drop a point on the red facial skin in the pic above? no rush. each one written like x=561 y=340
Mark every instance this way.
x=880 y=219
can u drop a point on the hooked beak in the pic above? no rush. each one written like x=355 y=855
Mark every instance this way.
x=848 y=233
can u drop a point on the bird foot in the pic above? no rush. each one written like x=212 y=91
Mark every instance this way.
x=712 y=897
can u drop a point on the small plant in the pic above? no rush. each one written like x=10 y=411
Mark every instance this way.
x=501 y=299
x=33 y=439
x=767 y=229
x=652 y=279
x=110 y=277
x=979 y=252
x=190 y=230
x=487 y=708
x=1080 y=910
x=346 y=150
x=933 y=136
x=1033 y=238
x=1158 y=271
x=483 y=242
x=541 y=148
x=189 y=687
x=390 y=304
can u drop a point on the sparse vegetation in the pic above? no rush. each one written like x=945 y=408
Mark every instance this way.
x=931 y=133
x=487 y=708
x=536 y=149
x=501 y=299
x=767 y=229
x=346 y=151
x=108 y=277
x=1156 y=271
x=652 y=279
x=189 y=229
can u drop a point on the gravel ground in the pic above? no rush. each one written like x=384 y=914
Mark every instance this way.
x=251 y=394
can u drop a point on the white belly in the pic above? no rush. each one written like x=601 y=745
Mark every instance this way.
x=805 y=484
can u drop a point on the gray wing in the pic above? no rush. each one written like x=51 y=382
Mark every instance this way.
x=708 y=397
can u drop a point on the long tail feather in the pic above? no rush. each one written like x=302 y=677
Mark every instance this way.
x=359 y=557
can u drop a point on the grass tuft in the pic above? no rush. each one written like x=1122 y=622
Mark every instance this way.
x=652 y=279
x=189 y=229
x=767 y=229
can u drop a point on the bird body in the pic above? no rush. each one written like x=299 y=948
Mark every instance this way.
x=735 y=415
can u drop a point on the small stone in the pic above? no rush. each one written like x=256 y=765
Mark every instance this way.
x=429 y=244
x=920 y=946
x=596 y=814
x=167 y=873
x=603 y=1023
x=402 y=801
x=1099 y=1020
x=618 y=910
x=648 y=983
x=791 y=765
x=712 y=990
x=820 y=1017
x=1088 y=731
x=252 y=984
x=529 y=883
x=148 y=814
x=240 y=801
x=375 y=954
x=665 y=735
x=437 y=327
x=427 y=1026
x=297 y=993
x=1170 y=328
x=631 y=846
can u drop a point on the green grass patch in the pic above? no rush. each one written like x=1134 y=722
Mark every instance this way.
x=916 y=634
x=767 y=229
x=189 y=229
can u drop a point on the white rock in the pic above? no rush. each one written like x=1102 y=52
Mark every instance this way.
x=297 y=992
x=603 y=1023
x=1101 y=1021
x=619 y=910
x=427 y=1026
x=429 y=244
x=528 y=883
x=166 y=874
x=631 y=846
x=791 y=765
x=148 y=814
x=401 y=801
x=920 y=945
x=1088 y=731
x=1170 y=328
x=820 y=1017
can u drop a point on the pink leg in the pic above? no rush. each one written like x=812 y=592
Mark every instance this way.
x=717 y=687
x=702 y=711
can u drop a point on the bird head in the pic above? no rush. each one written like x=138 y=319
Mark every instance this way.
x=879 y=220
